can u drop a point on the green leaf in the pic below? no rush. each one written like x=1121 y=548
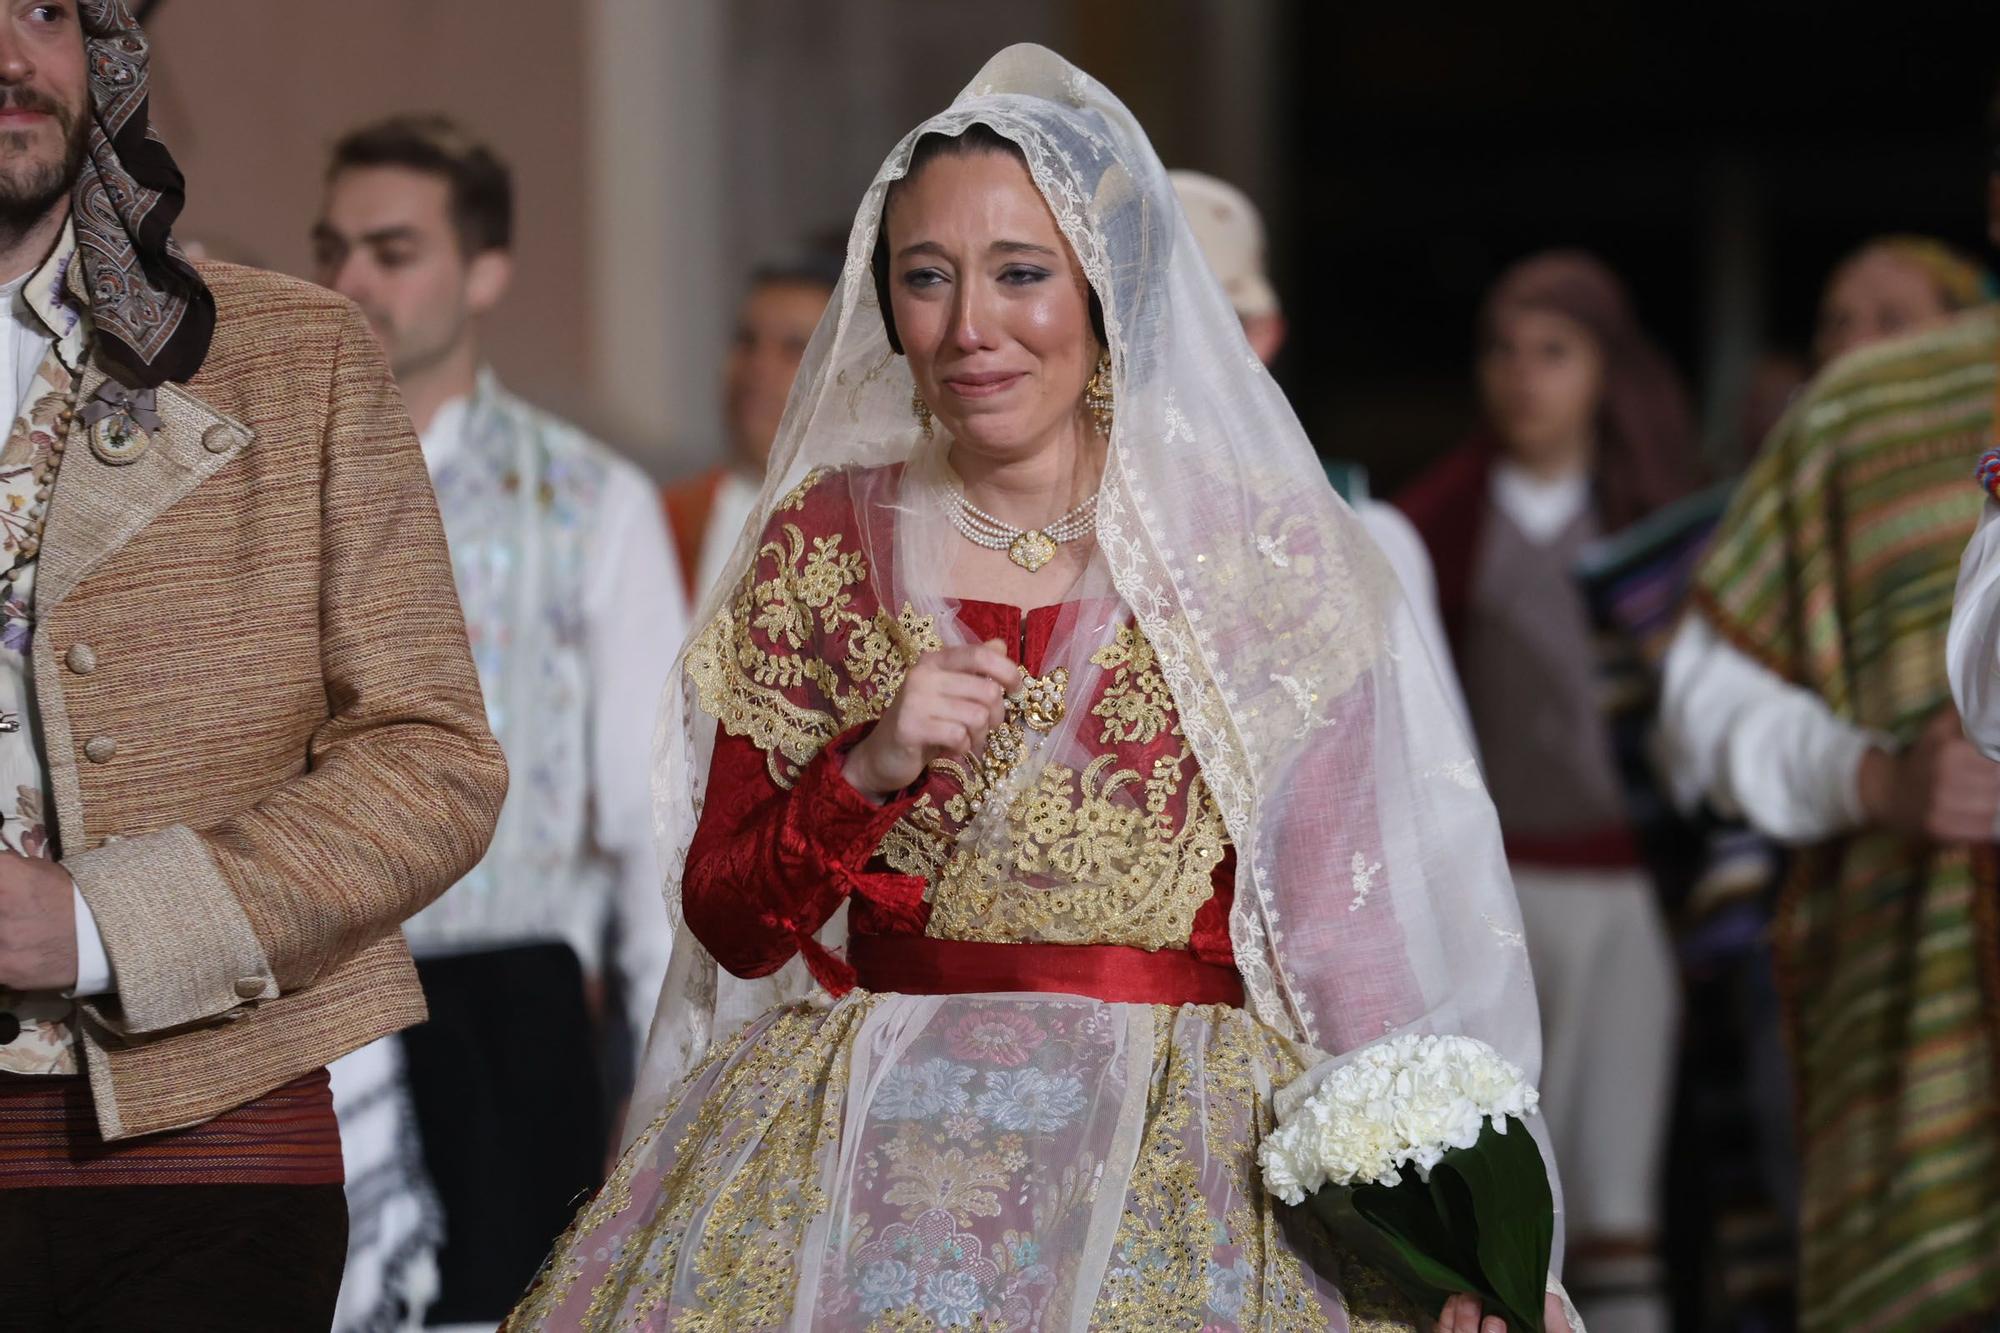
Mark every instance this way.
x=1408 y=1211
x=1334 y=1206
x=1507 y=1184
x=1483 y=1225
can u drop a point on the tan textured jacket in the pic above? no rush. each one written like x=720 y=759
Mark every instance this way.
x=266 y=742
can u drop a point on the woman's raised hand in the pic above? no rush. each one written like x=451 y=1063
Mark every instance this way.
x=949 y=701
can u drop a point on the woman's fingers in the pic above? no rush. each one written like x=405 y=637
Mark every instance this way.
x=943 y=738
x=992 y=662
x=975 y=717
x=987 y=659
x=971 y=685
x=1460 y=1315
x=958 y=726
x=1465 y=1314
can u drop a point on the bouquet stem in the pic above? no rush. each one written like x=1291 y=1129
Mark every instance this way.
x=1481 y=1225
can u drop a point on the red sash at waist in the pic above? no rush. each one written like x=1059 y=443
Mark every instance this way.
x=1116 y=973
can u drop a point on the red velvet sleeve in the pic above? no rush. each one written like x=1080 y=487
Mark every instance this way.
x=768 y=866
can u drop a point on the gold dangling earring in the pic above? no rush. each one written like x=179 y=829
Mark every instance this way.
x=1097 y=398
x=921 y=410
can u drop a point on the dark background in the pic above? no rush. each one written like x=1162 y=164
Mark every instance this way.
x=1722 y=165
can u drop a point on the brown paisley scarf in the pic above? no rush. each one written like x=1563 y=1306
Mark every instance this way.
x=153 y=314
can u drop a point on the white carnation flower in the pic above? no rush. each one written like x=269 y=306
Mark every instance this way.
x=1404 y=1101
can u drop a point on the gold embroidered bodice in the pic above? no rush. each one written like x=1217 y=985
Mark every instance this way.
x=1116 y=842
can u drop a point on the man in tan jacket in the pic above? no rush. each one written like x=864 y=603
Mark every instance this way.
x=241 y=738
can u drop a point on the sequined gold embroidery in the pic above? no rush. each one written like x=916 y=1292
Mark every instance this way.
x=1136 y=706
x=1089 y=861
x=1104 y=853
x=1174 y=1262
x=716 y=1237
x=1242 y=1063
x=1161 y=1255
x=746 y=1155
x=1086 y=864
x=792 y=613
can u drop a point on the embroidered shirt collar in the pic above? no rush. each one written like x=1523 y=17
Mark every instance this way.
x=452 y=425
x=53 y=299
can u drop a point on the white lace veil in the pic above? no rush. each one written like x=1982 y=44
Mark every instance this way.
x=1372 y=897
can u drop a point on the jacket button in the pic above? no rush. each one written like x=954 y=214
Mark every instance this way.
x=249 y=988
x=100 y=750
x=82 y=658
x=218 y=438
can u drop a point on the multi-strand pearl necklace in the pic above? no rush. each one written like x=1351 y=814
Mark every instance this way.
x=1030 y=548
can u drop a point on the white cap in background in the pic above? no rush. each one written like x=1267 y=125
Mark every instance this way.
x=1230 y=231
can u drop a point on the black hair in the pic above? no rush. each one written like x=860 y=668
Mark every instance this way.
x=482 y=188
x=974 y=138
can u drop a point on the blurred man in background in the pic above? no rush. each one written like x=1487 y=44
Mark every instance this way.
x=773 y=325
x=1807 y=690
x=574 y=608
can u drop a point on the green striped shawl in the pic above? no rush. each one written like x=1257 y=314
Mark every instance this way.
x=1835 y=567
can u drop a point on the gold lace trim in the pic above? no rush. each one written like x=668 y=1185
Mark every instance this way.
x=800 y=592
x=1131 y=874
x=749 y=1149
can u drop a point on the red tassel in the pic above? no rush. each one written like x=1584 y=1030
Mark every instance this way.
x=900 y=897
x=828 y=971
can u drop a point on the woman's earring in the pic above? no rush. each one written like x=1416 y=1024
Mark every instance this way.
x=921 y=410
x=1097 y=399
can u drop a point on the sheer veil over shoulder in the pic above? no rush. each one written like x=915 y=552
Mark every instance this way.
x=1372 y=897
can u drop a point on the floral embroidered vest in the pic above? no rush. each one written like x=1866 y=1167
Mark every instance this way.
x=518 y=503
x=44 y=1043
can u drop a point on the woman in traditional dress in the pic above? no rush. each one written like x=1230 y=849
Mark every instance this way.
x=1587 y=431
x=1054 y=679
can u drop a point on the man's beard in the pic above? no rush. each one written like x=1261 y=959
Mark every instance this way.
x=29 y=189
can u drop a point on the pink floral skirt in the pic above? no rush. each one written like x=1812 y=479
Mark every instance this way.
x=1018 y=1161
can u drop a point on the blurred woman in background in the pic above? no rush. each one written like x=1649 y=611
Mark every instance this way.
x=1893 y=286
x=1587 y=430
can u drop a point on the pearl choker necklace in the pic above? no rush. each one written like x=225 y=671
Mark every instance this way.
x=1030 y=548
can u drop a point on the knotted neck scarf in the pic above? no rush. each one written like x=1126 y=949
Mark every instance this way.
x=153 y=314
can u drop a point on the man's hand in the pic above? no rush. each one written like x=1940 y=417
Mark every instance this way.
x=37 y=924
x=1940 y=788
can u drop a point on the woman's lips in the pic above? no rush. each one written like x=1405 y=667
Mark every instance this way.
x=983 y=385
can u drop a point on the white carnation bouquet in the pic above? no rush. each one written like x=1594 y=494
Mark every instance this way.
x=1416 y=1151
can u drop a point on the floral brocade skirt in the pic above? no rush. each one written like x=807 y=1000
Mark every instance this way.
x=985 y=1162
